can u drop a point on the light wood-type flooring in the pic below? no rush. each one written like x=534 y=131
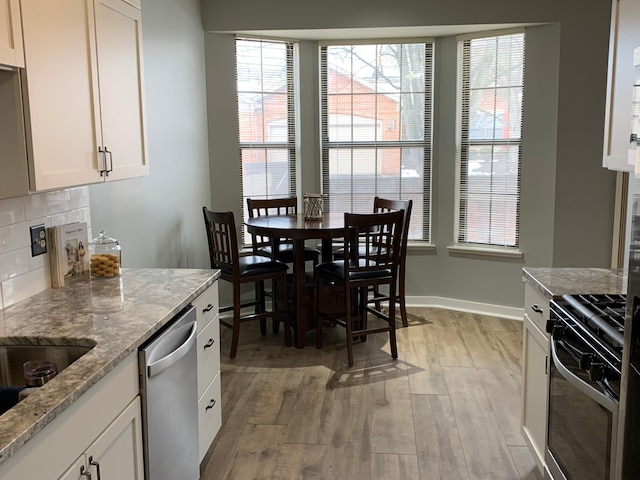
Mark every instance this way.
x=447 y=409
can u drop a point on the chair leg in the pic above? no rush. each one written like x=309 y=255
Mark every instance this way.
x=363 y=298
x=401 y=297
x=275 y=321
x=319 y=318
x=349 y=326
x=260 y=305
x=236 y=321
x=285 y=310
x=376 y=294
x=392 y=326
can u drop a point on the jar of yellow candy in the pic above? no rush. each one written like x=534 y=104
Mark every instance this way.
x=105 y=256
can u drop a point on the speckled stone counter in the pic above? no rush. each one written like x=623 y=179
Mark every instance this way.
x=117 y=315
x=553 y=282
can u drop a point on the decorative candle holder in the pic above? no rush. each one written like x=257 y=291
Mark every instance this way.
x=313 y=206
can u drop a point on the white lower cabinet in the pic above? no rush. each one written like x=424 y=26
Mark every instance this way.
x=209 y=399
x=535 y=352
x=209 y=415
x=103 y=424
x=116 y=453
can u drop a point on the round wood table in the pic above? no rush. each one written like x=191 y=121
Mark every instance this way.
x=298 y=229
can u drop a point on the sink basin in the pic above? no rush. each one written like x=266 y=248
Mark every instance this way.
x=12 y=357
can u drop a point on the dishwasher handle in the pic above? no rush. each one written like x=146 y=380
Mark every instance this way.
x=171 y=358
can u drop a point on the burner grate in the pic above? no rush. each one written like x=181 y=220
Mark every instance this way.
x=602 y=316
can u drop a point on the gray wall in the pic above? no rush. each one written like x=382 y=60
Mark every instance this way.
x=158 y=218
x=567 y=197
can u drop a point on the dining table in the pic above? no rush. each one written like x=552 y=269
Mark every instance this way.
x=299 y=230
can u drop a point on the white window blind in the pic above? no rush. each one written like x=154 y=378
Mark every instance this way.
x=491 y=83
x=376 y=109
x=266 y=118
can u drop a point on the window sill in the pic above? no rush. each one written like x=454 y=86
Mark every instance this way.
x=485 y=251
x=416 y=246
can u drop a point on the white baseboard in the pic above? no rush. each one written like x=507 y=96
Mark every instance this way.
x=501 y=311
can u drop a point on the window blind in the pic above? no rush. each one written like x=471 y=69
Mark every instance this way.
x=266 y=119
x=491 y=88
x=376 y=117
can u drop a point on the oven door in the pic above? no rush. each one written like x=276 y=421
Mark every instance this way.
x=583 y=415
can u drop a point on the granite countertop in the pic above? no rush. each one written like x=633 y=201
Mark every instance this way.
x=554 y=282
x=117 y=315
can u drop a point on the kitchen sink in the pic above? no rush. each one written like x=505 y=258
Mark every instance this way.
x=13 y=357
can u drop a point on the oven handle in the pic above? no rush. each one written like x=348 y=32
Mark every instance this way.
x=608 y=403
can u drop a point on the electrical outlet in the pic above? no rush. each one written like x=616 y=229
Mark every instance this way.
x=38 y=240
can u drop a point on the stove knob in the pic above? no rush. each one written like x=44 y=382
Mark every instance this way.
x=584 y=362
x=557 y=332
x=596 y=371
x=549 y=325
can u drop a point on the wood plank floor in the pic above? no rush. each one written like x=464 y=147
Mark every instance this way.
x=448 y=408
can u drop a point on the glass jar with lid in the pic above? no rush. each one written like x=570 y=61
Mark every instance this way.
x=106 y=256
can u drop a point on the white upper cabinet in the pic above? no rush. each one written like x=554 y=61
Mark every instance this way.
x=119 y=46
x=625 y=38
x=10 y=34
x=83 y=93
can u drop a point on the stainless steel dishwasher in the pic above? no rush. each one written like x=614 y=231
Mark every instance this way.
x=169 y=391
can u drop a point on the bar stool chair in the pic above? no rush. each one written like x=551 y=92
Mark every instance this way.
x=372 y=252
x=262 y=245
x=387 y=205
x=224 y=254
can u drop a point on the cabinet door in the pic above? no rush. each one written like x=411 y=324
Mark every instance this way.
x=117 y=453
x=534 y=391
x=119 y=47
x=209 y=416
x=625 y=37
x=61 y=92
x=10 y=34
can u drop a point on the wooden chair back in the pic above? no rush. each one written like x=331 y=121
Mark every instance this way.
x=223 y=241
x=372 y=245
x=260 y=207
x=387 y=205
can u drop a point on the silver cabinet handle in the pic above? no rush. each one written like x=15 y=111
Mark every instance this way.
x=211 y=404
x=536 y=308
x=209 y=343
x=102 y=153
x=110 y=168
x=95 y=464
x=84 y=473
x=208 y=308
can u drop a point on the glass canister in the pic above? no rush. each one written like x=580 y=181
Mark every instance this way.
x=106 y=256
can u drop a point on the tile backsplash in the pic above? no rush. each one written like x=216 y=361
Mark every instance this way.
x=22 y=275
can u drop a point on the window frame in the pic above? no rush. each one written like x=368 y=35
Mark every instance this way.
x=426 y=144
x=290 y=144
x=463 y=144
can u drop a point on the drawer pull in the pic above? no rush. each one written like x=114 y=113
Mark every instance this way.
x=209 y=343
x=536 y=308
x=84 y=473
x=208 y=308
x=211 y=404
x=95 y=464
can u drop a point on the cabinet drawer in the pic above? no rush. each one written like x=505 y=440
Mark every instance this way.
x=536 y=307
x=208 y=344
x=206 y=306
x=209 y=415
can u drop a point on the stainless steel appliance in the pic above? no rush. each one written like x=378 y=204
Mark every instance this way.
x=169 y=391
x=585 y=370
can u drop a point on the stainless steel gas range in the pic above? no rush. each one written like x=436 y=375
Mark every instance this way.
x=585 y=372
